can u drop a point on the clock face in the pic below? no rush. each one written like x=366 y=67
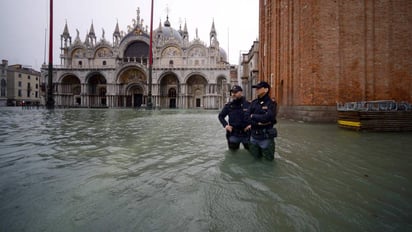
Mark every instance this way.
x=171 y=51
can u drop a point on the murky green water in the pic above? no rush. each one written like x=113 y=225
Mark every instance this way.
x=127 y=170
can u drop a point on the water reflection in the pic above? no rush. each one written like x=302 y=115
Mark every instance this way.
x=127 y=170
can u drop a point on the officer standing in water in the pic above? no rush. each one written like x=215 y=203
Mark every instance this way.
x=236 y=128
x=261 y=117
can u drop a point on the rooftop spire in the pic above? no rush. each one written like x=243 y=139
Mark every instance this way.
x=185 y=27
x=138 y=15
x=86 y=40
x=91 y=32
x=160 y=25
x=66 y=33
x=213 y=30
x=116 y=29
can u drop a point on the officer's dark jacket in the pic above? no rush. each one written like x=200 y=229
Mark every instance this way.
x=262 y=113
x=236 y=110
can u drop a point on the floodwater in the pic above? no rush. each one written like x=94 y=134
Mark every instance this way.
x=129 y=170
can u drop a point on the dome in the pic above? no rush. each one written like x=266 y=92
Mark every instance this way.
x=168 y=32
x=223 y=55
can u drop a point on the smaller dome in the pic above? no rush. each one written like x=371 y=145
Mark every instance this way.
x=168 y=32
x=223 y=55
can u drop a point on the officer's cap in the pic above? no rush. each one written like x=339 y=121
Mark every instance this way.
x=235 y=89
x=262 y=84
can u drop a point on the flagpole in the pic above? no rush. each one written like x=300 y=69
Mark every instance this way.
x=149 y=97
x=50 y=100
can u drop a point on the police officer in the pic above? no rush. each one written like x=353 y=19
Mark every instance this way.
x=236 y=128
x=261 y=117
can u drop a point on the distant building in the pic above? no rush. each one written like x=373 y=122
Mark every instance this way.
x=3 y=82
x=23 y=86
x=318 y=53
x=250 y=71
x=187 y=73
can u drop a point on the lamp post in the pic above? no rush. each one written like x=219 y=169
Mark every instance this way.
x=50 y=100
x=149 y=96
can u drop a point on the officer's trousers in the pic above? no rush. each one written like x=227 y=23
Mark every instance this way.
x=262 y=147
x=234 y=141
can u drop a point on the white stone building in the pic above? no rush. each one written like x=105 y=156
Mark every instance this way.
x=187 y=73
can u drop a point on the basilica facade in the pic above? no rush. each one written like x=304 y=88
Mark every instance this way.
x=187 y=73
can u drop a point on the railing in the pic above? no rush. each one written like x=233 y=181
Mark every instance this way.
x=381 y=105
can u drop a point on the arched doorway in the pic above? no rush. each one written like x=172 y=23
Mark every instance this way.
x=172 y=98
x=96 y=90
x=70 y=89
x=132 y=82
x=134 y=96
x=196 y=88
x=169 y=91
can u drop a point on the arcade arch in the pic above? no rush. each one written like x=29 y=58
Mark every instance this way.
x=169 y=91
x=196 y=89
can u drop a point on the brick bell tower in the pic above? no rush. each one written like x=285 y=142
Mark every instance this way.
x=318 y=53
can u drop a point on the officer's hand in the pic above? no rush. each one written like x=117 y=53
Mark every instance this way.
x=228 y=128
x=248 y=127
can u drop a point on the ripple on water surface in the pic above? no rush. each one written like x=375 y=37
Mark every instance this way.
x=128 y=170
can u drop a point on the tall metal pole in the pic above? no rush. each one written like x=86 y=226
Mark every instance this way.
x=50 y=100
x=149 y=97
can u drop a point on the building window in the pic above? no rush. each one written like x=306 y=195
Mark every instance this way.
x=170 y=63
x=19 y=83
x=104 y=62
x=37 y=94
x=19 y=74
x=28 y=89
x=28 y=77
x=37 y=78
x=3 y=88
x=19 y=93
x=37 y=86
x=80 y=63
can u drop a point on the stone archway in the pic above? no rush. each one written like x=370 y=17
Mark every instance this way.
x=132 y=87
x=196 y=89
x=96 y=90
x=135 y=96
x=169 y=91
x=69 y=91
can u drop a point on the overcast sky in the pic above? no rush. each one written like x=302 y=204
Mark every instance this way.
x=23 y=23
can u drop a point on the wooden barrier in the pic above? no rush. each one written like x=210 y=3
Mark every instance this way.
x=376 y=120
